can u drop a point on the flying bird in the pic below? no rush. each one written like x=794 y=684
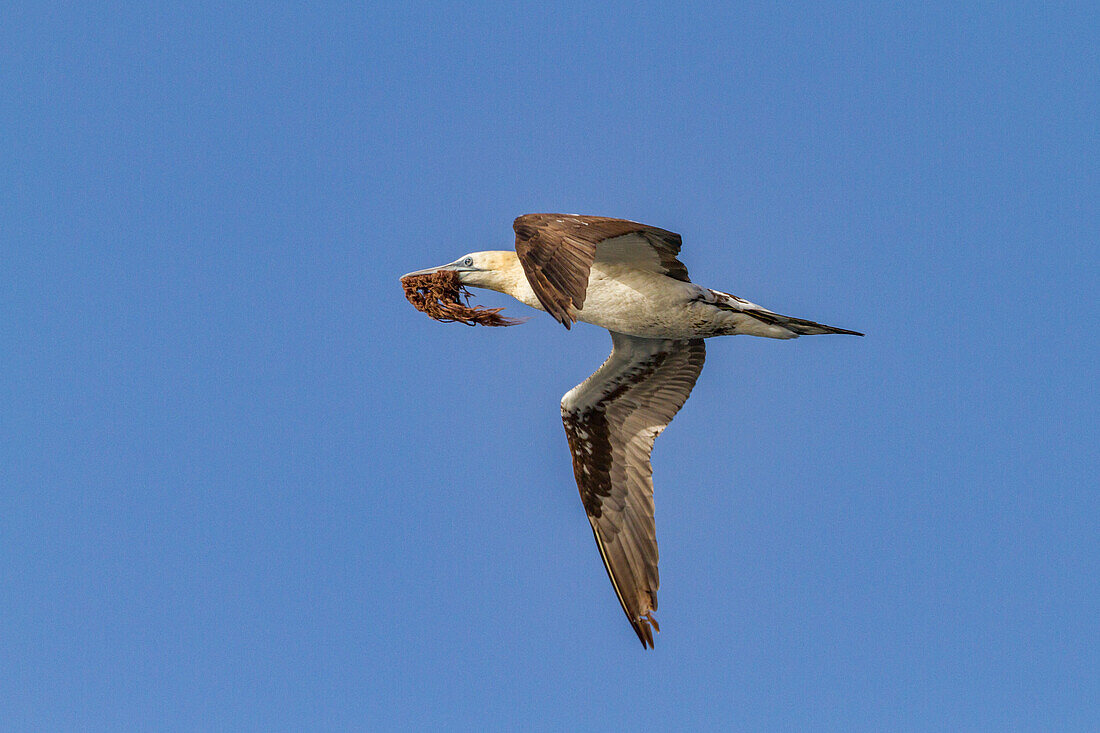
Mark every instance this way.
x=625 y=277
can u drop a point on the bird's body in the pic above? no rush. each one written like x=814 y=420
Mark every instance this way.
x=624 y=277
x=625 y=299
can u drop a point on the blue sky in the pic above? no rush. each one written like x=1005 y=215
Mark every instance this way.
x=246 y=486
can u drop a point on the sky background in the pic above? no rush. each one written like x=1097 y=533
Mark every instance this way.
x=245 y=486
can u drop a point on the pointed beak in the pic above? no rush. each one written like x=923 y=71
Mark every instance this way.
x=430 y=270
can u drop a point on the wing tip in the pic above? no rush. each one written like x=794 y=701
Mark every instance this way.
x=568 y=317
x=644 y=626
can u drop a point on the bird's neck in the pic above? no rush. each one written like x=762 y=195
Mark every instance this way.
x=506 y=276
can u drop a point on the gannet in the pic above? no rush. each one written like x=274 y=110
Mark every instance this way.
x=625 y=277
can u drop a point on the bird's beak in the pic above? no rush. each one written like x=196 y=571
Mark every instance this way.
x=430 y=270
x=453 y=267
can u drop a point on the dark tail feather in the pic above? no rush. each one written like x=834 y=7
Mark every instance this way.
x=798 y=325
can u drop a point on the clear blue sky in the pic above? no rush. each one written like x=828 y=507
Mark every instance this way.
x=245 y=486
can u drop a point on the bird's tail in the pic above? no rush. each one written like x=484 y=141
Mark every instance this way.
x=763 y=322
x=800 y=326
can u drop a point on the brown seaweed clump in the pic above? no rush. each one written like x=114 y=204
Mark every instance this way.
x=441 y=296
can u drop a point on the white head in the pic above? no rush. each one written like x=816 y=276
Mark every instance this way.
x=495 y=270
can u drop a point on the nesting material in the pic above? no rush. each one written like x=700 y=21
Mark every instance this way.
x=442 y=297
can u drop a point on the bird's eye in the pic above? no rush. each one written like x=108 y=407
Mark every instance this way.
x=468 y=261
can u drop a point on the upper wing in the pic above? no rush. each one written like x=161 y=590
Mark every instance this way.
x=557 y=251
x=611 y=420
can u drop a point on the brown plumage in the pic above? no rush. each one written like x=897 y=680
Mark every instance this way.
x=611 y=421
x=557 y=251
x=440 y=294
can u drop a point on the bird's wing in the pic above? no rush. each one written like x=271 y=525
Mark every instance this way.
x=557 y=251
x=611 y=420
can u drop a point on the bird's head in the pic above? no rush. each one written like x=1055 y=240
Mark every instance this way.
x=495 y=270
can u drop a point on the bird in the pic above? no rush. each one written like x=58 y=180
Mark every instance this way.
x=625 y=277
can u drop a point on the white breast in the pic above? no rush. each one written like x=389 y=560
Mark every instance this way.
x=639 y=302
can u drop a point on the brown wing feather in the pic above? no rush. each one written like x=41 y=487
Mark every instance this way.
x=557 y=251
x=611 y=421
